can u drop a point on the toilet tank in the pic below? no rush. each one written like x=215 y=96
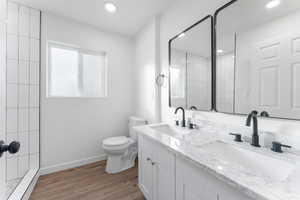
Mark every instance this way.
x=135 y=121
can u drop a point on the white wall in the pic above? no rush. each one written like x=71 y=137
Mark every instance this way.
x=72 y=129
x=183 y=14
x=147 y=68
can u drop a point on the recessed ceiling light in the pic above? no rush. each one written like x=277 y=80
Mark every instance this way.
x=110 y=7
x=181 y=35
x=220 y=51
x=273 y=4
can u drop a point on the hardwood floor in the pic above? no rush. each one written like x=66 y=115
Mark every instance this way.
x=89 y=182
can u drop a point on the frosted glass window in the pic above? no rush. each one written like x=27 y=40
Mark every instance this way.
x=76 y=73
x=94 y=75
x=64 y=72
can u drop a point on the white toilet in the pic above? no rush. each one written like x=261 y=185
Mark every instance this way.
x=122 y=151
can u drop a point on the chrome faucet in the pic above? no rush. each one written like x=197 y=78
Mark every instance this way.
x=255 y=136
x=183 y=115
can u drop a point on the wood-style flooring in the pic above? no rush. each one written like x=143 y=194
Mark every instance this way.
x=89 y=182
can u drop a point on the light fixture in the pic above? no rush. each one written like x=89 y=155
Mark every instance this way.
x=220 y=51
x=110 y=7
x=273 y=4
x=181 y=35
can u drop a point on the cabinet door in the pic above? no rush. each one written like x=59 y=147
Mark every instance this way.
x=145 y=167
x=192 y=183
x=164 y=173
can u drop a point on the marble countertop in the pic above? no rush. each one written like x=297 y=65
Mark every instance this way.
x=259 y=185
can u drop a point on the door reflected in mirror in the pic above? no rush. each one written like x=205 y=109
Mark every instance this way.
x=258 y=58
x=190 y=67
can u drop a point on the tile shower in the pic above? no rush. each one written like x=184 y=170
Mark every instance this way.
x=22 y=91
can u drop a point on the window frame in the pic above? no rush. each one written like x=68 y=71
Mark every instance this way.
x=80 y=51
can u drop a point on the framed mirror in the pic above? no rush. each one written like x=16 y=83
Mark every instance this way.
x=258 y=58
x=190 y=67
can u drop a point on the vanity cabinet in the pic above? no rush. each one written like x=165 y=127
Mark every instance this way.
x=156 y=170
x=194 y=183
x=163 y=175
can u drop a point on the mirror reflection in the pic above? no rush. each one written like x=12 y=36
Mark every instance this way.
x=190 y=67
x=258 y=58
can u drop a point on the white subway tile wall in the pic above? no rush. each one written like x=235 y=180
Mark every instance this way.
x=23 y=67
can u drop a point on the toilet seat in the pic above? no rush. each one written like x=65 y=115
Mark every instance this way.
x=116 y=143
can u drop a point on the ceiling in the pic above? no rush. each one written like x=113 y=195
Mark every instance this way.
x=130 y=17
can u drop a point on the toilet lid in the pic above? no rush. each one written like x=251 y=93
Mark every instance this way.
x=116 y=141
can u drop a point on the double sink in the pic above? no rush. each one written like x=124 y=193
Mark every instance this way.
x=260 y=162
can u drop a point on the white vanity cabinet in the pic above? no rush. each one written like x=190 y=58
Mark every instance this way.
x=165 y=175
x=156 y=170
x=194 y=183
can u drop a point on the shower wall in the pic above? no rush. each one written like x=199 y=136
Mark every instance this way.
x=23 y=88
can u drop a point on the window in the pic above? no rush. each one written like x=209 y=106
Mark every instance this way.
x=73 y=72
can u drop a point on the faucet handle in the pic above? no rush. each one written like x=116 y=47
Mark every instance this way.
x=238 y=137
x=264 y=114
x=276 y=147
x=255 y=112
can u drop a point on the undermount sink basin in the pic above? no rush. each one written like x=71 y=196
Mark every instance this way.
x=171 y=130
x=258 y=164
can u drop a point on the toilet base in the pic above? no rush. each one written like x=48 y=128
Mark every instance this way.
x=118 y=163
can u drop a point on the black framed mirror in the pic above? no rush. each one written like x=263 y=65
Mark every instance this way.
x=190 y=67
x=258 y=58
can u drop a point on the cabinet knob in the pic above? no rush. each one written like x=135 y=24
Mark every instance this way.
x=153 y=163
x=148 y=159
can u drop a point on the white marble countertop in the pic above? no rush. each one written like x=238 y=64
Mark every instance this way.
x=256 y=184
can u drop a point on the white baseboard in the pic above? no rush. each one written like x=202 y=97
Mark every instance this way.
x=70 y=165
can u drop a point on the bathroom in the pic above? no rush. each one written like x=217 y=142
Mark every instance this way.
x=187 y=100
